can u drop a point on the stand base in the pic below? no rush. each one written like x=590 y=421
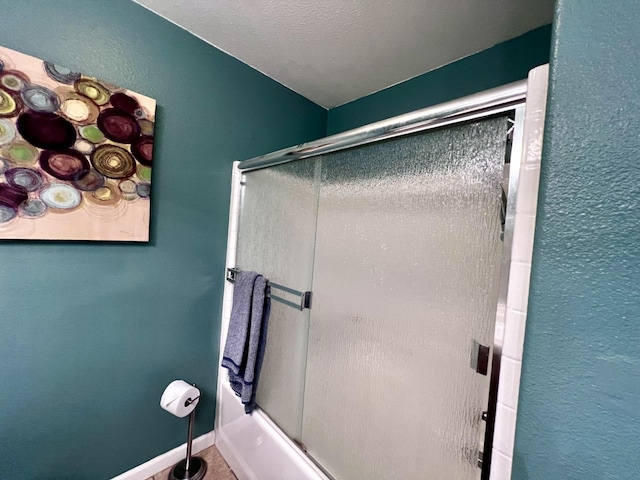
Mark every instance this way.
x=197 y=469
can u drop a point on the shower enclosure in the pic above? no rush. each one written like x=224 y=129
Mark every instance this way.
x=402 y=232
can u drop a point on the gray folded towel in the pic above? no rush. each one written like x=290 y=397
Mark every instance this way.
x=245 y=345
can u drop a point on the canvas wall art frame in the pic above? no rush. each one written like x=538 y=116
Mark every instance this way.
x=75 y=154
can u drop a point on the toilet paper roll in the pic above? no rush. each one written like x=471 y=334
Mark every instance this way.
x=180 y=398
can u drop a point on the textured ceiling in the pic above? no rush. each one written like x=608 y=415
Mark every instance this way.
x=335 y=51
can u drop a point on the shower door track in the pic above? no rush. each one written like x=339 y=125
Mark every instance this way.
x=483 y=104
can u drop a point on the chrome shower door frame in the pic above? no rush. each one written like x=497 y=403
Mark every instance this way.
x=527 y=98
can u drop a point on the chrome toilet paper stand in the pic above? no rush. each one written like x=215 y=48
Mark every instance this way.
x=191 y=468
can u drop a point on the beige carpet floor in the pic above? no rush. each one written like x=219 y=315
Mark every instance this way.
x=217 y=468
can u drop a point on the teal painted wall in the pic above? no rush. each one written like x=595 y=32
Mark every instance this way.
x=579 y=410
x=90 y=334
x=504 y=63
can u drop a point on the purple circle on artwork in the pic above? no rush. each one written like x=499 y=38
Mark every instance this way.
x=65 y=164
x=25 y=178
x=11 y=196
x=142 y=149
x=46 y=130
x=118 y=125
x=124 y=102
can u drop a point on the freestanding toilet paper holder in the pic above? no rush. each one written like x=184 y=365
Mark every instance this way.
x=191 y=468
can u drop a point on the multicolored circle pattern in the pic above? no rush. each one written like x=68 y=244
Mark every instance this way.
x=69 y=140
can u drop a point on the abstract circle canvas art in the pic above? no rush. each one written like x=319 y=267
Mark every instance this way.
x=76 y=154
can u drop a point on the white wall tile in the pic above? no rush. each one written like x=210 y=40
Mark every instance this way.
x=522 y=246
x=519 y=275
x=509 y=382
x=514 y=334
x=518 y=295
x=527 y=202
x=500 y=466
x=505 y=429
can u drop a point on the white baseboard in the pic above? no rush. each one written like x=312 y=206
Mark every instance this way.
x=167 y=459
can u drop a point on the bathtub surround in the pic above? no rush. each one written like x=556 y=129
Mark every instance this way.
x=91 y=334
x=513 y=314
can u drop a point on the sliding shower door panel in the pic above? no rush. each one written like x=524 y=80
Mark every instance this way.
x=405 y=280
x=276 y=238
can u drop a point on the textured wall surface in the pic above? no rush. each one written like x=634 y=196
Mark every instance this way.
x=579 y=410
x=91 y=333
x=504 y=63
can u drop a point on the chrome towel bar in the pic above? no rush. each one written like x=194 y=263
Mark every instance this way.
x=305 y=297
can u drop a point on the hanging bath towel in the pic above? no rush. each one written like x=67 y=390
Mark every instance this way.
x=245 y=345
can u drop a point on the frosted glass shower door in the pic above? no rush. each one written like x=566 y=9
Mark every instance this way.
x=405 y=279
x=276 y=238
